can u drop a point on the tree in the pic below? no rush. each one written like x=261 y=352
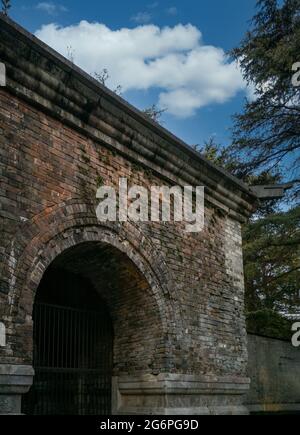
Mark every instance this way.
x=6 y=5
x=221 y=156
x=271 y=248
x=266 y=144
x=267 y=133
x=272 y=262
x=270 y=324
x=232 y=162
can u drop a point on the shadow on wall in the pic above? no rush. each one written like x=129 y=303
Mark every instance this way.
x=274 y=369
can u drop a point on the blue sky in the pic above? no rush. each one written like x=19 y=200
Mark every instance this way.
x=201 y=105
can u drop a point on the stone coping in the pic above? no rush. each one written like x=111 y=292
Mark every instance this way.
x=45 y=79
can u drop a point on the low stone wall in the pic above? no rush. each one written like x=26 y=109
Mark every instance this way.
x=274 y=369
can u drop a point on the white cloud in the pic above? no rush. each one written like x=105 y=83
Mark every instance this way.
x=188 y=74
x=172 y=11
x=50 y=8
x=142 y=17
x=251 y=92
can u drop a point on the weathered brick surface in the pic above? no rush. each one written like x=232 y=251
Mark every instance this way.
x=176 y=299
x=49 y=180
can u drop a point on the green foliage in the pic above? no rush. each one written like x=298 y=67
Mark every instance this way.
x=6 y=5
x=220 y=156
x=269 y=324
x=272 y=262
x=271 y=245
x=232 y=163
x=85 y=158
x=99 y=181
x=266 y=150
x=267 y=144
x=267 y=133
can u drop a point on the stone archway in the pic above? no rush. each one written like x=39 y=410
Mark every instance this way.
x=141 y=337
x=68 y=228
x=81 y=277
x=40 y=240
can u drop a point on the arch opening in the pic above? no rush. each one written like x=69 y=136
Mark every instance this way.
x=93 y=318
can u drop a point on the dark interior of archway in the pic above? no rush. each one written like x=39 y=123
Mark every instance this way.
x=73 y=347
x=62 y=287
x=96 y=280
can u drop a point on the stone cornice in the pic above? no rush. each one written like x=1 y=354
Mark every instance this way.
x=48 y=81
x=184 y=384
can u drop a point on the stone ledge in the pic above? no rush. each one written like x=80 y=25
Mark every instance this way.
x=183 y=384
x=196 y=411
x=169 y=394
x=15 y=380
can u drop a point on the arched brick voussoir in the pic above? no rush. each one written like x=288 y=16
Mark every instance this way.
x=55 y=230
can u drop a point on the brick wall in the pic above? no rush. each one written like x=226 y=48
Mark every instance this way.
x=188 y=299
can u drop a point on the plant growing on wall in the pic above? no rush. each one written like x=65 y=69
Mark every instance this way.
x=153 y=112
x=103 y=77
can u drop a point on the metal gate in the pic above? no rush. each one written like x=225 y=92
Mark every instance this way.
x=72 y=362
